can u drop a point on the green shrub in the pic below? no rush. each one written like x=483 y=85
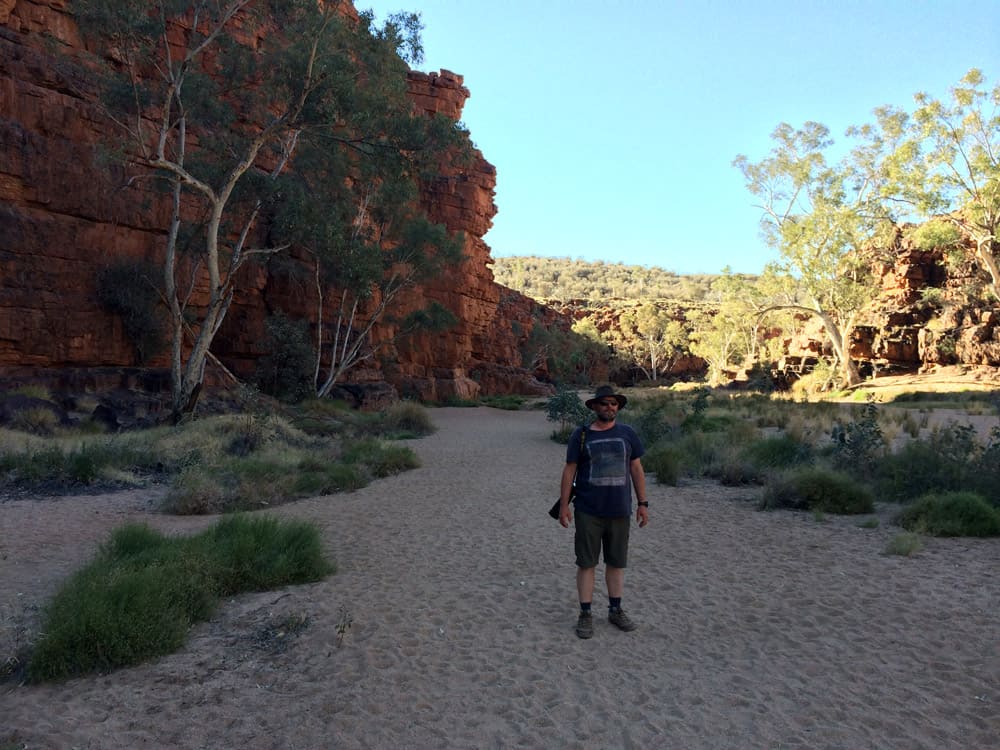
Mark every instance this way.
x=312 y=479
x=286 y=370
x=37 y=420
x=664 y=460
x=945 y=460
x=378 y=459
x=817 y=489
x=859 y=445
x=777 y=452
x=654 y=419
x=406 y=419
x=951 y=514
x=130 y=289
x=985 y=471
x=140 y=596
x=566 y=408
x=509 y=402
x=904 y=544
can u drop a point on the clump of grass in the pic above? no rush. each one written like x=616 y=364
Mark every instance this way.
x=378 y=459
x=664 y=460
x=141 y=594
x=405 y=419
x=940 y=462
x=870 y=523
x=510 y=402
x=38 y=420
x=951 y=514
x=817 y=489
x=904 y=544
x=778 y=452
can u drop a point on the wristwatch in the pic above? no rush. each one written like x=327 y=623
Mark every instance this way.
x=643 y=504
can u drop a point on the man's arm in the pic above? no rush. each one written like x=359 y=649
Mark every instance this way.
x=565 y=487
x=639 y=485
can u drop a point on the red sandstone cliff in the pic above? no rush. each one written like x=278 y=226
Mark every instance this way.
x=62 y=219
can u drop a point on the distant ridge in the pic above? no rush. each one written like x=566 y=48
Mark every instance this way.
x=564 y=279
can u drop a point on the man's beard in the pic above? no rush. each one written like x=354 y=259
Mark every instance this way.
x=605 y=418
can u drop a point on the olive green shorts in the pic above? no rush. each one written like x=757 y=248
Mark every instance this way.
x=594 y=533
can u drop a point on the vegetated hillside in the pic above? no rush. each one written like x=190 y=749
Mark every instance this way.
x=564 y=279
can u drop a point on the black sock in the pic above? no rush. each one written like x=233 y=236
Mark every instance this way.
x=585 y=607
x=614 y=603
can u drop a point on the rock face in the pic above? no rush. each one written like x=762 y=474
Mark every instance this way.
x=62 y=219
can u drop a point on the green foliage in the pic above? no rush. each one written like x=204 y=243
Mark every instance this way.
x=650 y=337
x=945 y=460
x=82 y=464
x=131 y=289
x=509 y=402
x=568 y=409
x=378 y=459
x=569 y=357
x=408 y=418
x=817 y=489
x=285 y=371
x=138 y=599
x=951 y=514
x=778 y=452
x=935 y=234
x=328 y=94
x=664 y=460
x=859 y=445
x=566 y=279
x=904 y=545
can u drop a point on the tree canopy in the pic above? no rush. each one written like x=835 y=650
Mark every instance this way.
x=273 y=125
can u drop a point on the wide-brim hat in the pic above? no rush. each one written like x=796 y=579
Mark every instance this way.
x=606 y=391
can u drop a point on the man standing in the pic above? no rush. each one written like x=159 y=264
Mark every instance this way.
x=603 y=459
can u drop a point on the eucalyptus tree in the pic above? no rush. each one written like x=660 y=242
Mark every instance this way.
x=651 y=338
x=725 y=329
x=248 y=111
x=821 y=218
x=947 y=165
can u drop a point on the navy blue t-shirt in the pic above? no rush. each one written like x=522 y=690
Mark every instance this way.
x=603 y=481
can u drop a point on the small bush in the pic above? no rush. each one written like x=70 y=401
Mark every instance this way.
x=859 y=445
x=406 y=419
x=943 y=461
x=951 y=514
x=777 y=452
x=130 y=289
x=818 y=489
x=378 y=459
x=37 y=420
x=566 y=408
x=509 y=402
x=665 y=461
x=904 y=544
x=138 y=599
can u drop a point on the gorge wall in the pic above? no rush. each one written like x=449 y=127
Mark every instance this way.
x=63 y=218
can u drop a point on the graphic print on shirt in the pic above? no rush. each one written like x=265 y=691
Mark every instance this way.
x=608 y=462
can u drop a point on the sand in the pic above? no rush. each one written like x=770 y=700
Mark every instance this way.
x=456 y=600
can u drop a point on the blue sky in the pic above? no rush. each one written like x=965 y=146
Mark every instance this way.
x=613 y=125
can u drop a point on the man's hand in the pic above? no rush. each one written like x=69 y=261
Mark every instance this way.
x=642 y=515
x=565 y=515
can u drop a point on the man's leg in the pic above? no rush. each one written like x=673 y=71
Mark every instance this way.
x=585 y=590
x=615 y=578
x=585 y=584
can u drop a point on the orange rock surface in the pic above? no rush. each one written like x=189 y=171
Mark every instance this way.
x=62 y=219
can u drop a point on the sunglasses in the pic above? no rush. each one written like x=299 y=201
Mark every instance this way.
x=607 y=403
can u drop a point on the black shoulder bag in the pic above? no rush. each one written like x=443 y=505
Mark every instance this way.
x=554 y=510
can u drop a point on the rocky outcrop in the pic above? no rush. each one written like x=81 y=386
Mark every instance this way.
x=62 y=218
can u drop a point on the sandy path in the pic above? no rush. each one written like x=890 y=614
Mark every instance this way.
x=757 y=630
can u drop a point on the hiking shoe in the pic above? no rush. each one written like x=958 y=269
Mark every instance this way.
x=620 y=620
x=585 y=625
